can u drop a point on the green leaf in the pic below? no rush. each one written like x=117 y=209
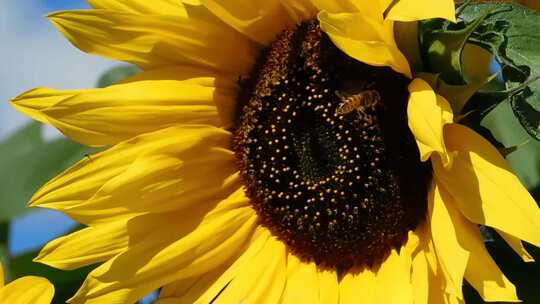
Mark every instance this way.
x=457 y=95
x=4 y=233
x=509 y=150
x=528 y=115
x=442 y=47
x=65 y=283
x=116 y=74
x=525 y=161
x=27 y=162
x=512 y=33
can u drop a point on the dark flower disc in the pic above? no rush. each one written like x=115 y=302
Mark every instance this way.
x=325 y=151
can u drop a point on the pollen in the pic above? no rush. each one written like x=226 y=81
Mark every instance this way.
x=325 y=152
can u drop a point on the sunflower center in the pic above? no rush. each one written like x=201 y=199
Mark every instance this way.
x=325 y=152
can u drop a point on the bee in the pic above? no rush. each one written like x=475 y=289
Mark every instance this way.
x=360 y=102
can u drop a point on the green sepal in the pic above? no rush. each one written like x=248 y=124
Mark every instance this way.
x=456 y=95
x=459 y=95
x=505 y=151
x=442 y=46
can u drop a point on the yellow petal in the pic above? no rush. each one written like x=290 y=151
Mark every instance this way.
x=427 y=277
x=153 y=263
x=156 y=172
x=254 y=247
x=358 y=288
x=302 y=282
x=486 y=277
x=109 y=115
x=203 y=289
x=334 y=6
x=299 y=10
x=27 y=290
x=156 y=40
x=170 y=301
x=115 y=237
x=187 y=291
x=420 y=279
x=383 y=4
x=366 y=39
x=32 y=102
x=427 y=114
x=261 y=21
x=191 y=2
x=162 y=7
x=261 y=280
x=189 y=75
x=161 y=184
x=517 y=246
x=452 y=240
x=74 y=250
x=367 y=8
x=373 y=286
x=412 y=10
x=484 y=187
x=328 y=286
x=224 y=84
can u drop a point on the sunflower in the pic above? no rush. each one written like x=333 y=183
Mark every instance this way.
x=273 y=152
x=26 y=290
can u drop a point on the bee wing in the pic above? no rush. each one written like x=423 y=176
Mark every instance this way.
x=344 y=108
x=341 y=95
x=340 y=109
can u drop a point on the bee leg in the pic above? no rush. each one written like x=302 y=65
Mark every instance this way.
x=340 y=95
x=370 y=85
x=360 y=110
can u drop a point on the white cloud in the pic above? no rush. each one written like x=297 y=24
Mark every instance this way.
x=33 y=53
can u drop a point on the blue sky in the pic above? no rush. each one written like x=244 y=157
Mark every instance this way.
x=37 y=55
x=53 y=5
